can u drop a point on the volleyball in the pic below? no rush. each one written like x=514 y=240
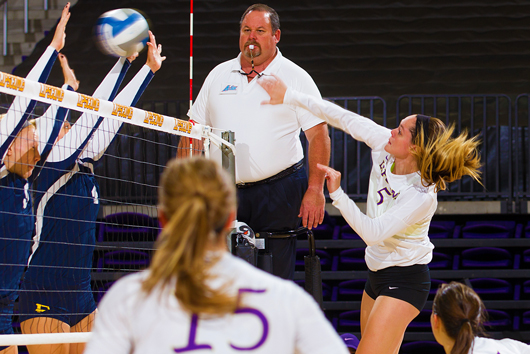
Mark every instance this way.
x=121 y=32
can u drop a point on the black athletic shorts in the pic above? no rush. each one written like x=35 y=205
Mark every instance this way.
x=410 y=284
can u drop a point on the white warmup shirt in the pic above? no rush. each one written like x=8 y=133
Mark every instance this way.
x=267 y=137
x=276 y=316
x=399 y=208
x=494 y=346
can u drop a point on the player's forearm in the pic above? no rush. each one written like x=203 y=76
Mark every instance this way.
x=319 y=147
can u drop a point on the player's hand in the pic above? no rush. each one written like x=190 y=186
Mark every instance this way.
x=332 y=177
x=154 y=51
x=133 y=56
x=312 y=209
x=275 y=87
x=68 y=73
x=59 y=37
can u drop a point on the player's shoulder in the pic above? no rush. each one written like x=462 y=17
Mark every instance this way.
x=483 y=345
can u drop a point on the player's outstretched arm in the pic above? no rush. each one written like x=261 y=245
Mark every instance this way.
x=154 y=51
x=68 y=73
x=60 y=35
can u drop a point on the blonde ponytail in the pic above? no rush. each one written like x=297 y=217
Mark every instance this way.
x=196 y=197
x=443 y=159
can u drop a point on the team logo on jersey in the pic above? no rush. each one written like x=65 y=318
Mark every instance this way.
x=95 y=195
x=41 y=308
x=87 y=102
x=25 y=201
x=182 y=126
x=386 y=191
x=229 y=89
x=52 y=93
x=119 y=110
x=12 y=82
x=153 y=118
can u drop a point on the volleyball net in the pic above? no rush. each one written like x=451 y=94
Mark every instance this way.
x=92 y=198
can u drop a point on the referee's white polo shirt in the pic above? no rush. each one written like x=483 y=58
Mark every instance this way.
x=267 y=137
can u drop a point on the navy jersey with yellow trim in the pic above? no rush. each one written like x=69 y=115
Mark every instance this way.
x=17 y=220
x=16 y=214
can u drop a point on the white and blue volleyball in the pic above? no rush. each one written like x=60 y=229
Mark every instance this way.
x=121 y=32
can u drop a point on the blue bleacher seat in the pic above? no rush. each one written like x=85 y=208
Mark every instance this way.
x=525 y=259
x=499 y=321
x=525 y=290
x=493 y=289
x=128 y=226
x=347 y=233
x=488 y=257
x=525 y=321
x=348 y=321
x=326 y=289
x=124 y=260
x=351 y=290
x=422 y=322
x=352 y=259
x=441 y=261
x=443 y=229
x=491 y=229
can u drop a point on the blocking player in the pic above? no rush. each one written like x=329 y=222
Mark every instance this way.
x=19 y=152
x=56 y=295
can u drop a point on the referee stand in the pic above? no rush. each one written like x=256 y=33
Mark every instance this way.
x=254 y=249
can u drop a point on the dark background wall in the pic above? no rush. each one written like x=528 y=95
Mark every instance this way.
x=351 y=48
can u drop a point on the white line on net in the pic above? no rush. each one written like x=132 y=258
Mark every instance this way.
x=44 y=338
x=17 y=86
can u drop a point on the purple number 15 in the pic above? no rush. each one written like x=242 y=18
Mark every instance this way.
x=192 y=345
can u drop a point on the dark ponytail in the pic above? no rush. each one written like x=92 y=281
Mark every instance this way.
x=462 y=313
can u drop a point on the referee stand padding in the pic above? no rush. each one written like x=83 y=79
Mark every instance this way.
x=261 y=257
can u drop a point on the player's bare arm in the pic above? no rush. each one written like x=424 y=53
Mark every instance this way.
x=59 y=37
x=314 y=202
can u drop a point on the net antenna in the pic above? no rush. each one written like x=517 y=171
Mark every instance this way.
x=191 y=75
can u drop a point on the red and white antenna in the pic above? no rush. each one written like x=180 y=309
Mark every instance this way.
x=191 y=65
x=191 y=52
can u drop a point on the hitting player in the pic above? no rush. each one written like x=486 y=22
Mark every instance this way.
x=56 y=293
x=411 y=163
x=196 y=296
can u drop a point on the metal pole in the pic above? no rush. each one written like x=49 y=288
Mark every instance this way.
x=229 y=160
x=25 y=16
x=4 y=46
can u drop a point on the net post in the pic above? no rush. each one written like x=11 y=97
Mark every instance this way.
x=228 y=159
